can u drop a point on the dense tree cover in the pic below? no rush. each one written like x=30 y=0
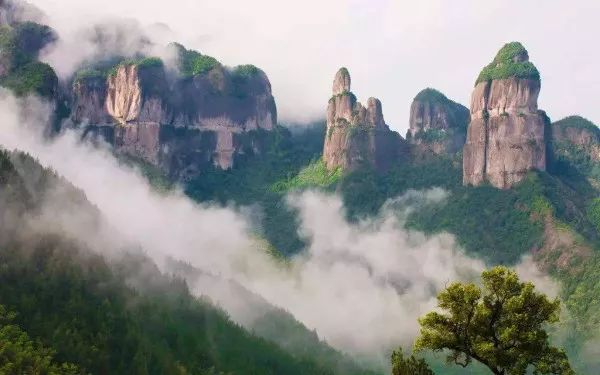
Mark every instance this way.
x=34 y=77
x=497 y=225
x=313 y=175
x=258 y=181
x=501 y=324
x=123 y=316
x=402 y=365
x=21 y=355
x=19 y=47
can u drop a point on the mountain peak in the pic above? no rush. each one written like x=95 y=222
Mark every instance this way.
x=511 y=61
x=341 y=82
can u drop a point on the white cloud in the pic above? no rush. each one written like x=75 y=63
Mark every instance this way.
x=361 y=286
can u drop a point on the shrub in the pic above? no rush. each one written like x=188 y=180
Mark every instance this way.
x=245 y=71
x=432 y=135
x=192 y=62
x=503 y=66
x=88 y=74
x=315 y=174
x=142 y=62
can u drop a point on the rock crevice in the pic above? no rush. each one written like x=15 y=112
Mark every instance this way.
x=141 y=104
x=358 y=135
x=505 y=137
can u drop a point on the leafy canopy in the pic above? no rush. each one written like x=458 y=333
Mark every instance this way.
x=141 y=62
x=500 y=324
x=409 y=365
x=34 y=77
x=20 y=355
x=511 y=61
x=192 y=62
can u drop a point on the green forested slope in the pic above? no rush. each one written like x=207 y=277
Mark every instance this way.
x=553 y=215
x=82 y=305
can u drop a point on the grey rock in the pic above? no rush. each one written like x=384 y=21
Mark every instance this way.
x=357 y=135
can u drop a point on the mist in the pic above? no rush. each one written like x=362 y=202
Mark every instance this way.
x=393 y=49
x=361 y=286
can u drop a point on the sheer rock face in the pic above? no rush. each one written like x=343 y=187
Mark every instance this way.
x=89 y=106
x=341 y=82
x=216 y=99
x=150 y=116
x=134 y=95
x=437 y=125
x=357 y=135
x=505 y=138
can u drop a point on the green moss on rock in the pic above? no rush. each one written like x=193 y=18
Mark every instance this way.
x=245 y=71
x=141 y=62
x=345 y=93
x=20 y=45
x=89 y=74
x=192 y=62
x=432 y=135
x=511 y=61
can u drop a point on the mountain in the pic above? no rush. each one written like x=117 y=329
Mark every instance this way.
x=120 y=314
x=505 y=138
x=206 y=115
x=358 y=135
x=517 y=185
x=20 y=71
x=437 y=125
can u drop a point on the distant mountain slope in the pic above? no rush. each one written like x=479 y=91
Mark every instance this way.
x=87 y=308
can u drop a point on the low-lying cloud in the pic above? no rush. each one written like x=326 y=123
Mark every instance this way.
x=360 y=285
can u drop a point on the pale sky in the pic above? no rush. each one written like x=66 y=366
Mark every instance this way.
x=393 y=49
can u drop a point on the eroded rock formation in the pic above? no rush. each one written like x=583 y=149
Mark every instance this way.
x=437 y=125
x=89 y=106
x=505 y=137
x=181 y=124
x=575 y=134
x=357 y=135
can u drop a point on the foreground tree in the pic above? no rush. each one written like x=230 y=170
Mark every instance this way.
x=500 y=325
x=409 y=365
x=21 y=355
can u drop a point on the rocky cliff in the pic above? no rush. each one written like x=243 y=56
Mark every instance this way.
x=575 y=134
x=505 y=137
x=357 y=135
x=203 y=116
x=437 y=125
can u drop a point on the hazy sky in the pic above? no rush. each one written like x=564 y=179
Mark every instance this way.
x=393 y=49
